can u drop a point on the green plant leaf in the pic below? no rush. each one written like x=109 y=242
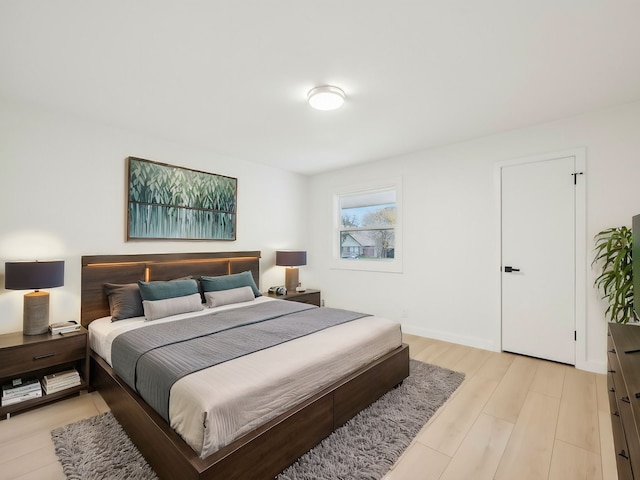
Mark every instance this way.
x=612 y=251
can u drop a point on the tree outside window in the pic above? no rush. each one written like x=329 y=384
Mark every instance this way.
x=368 y=224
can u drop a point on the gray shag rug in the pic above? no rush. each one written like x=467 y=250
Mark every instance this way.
x=364 y=448
x=97 y=448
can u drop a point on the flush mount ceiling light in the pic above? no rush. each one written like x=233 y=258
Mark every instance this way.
x=326 y=97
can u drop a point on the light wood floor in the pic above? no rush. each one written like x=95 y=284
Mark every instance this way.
x=26 y=448
x=512 y=418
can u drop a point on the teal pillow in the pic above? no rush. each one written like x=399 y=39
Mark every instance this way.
x=227 y=282
x=163 y=290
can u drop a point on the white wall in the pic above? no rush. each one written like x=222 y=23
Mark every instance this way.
x=62 y=191
x=62 y=195
x=449 y=288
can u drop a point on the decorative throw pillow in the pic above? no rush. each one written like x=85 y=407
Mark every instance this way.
x=155 y=309
x=227 y=282
x=163 y=290
x=227 y=297
x=124 y=300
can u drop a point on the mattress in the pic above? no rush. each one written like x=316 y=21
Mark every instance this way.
x=212 y=407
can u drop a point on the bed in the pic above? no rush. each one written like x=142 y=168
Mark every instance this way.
x=315 y=402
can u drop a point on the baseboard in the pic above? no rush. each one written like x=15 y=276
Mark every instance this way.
x=586 y=365
x=449 y=337
x=591 y=366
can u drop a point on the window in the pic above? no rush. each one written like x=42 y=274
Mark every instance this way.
x=367 y=232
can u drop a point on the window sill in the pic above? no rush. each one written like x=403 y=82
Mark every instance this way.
x=384 y=266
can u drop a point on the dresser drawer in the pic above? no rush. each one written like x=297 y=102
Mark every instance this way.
x=611 y=390
x=613 y=366
x=622 y=451
x=611 y=384
x=630 y=432
x=18 y=360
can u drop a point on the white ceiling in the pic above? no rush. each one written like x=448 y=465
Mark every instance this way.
x=232 y=76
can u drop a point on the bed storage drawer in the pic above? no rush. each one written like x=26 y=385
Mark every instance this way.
x=350 y=398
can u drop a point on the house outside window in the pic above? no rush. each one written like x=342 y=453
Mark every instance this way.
x=368 y=224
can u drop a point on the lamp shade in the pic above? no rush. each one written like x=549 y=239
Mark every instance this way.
x=291 y=258
x=33 y=275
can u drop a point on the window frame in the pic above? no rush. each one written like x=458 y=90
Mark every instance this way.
x=391 y=265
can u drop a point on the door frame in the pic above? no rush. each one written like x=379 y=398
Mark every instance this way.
x=579 y=154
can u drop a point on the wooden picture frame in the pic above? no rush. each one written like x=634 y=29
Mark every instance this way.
x=167 y=202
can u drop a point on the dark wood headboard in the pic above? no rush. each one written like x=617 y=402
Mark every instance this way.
x=100 y=269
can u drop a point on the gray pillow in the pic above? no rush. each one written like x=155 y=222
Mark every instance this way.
x=155 y=309
x=124 y=300
x=227 y=297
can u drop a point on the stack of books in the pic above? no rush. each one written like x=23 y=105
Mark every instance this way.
x=56 y=382
x=64 y=327
x=20 y=390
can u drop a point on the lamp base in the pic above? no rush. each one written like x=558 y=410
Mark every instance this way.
x=35 y=319
x=291 y=279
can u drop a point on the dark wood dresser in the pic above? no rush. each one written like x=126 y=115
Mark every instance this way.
x=623 y=382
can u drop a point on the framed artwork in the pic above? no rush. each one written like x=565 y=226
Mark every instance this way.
x=166 y=202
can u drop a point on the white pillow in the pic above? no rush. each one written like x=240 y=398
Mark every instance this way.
x=155 y=309
x=226 y=297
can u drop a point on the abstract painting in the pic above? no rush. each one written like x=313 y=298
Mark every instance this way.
x=169 y=202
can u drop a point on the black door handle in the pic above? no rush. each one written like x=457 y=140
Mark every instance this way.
x=511 y=269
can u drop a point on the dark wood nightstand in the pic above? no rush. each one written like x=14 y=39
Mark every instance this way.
x=309 y=296
x=33 y=356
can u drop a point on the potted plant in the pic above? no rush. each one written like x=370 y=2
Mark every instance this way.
x=613 y=251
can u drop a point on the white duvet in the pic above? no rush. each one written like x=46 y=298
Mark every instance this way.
x=213 y=407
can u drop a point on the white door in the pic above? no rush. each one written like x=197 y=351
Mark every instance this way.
x=538 y=259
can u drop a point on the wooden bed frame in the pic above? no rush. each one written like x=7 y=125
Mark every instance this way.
x=260 y=454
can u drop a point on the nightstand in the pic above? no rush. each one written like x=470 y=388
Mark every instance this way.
x=33 y=356
x=308 y=296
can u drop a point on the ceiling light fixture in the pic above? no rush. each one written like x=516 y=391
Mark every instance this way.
x=326 y=97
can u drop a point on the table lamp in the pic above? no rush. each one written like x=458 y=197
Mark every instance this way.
x=291 y=259
x=34 y=275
